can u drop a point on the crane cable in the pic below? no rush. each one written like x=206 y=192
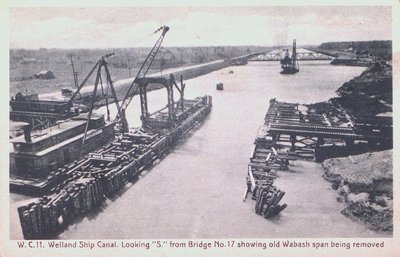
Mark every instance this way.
x=145 y=37
x=143 y=69
x=135 y=43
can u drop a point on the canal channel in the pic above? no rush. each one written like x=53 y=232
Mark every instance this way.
x=196 y=191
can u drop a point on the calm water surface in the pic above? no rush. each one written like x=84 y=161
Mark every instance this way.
x=196 y=191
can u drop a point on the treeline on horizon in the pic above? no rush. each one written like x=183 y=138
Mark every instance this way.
x=25 y=63
x=378 y=48
x=170 y=56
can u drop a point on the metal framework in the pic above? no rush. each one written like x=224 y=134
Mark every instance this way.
x=151 y=118
x=140 y=75
x=280 y=55
x=304 y=134
x=168 y=84
x=99 y=65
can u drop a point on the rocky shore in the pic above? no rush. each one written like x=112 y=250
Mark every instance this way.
x=365 y=183
x=367 y=95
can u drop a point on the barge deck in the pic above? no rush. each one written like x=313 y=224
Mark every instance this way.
x=85 y=184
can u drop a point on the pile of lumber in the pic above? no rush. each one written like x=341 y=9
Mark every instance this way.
x=265 y=161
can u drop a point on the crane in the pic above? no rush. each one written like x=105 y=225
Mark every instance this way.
x=141 y=74
x=102 y=63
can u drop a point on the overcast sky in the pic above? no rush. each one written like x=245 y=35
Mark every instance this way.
x=128 y=27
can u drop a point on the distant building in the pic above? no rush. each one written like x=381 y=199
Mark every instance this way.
x=44 y=74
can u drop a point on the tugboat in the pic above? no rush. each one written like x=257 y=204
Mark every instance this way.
x=290 y=65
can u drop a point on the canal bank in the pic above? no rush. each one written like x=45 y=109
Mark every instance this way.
x=196 y=191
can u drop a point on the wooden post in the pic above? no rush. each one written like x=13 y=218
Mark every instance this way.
x=293 y=142
x=320 y=141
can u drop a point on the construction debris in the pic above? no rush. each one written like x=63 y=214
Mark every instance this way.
x=265 y=161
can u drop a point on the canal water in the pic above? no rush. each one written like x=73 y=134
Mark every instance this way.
x=196 y=191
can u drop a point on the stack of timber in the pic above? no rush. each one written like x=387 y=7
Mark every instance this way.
x=291 y=131
x=265 y=161
x=103 y=173
x=311 y=135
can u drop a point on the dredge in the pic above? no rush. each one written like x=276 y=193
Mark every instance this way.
x=290 y=65
x=82 y=184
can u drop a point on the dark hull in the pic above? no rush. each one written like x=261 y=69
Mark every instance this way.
x=289 y=71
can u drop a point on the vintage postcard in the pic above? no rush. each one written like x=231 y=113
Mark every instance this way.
x=199 y=129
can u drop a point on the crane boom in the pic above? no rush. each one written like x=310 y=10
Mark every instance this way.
x=144 y=68
x=294 y=53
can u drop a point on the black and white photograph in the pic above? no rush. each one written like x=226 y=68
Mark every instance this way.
x=199 y=130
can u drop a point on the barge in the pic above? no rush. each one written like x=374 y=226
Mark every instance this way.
x=78 y=165
x=86 y=183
